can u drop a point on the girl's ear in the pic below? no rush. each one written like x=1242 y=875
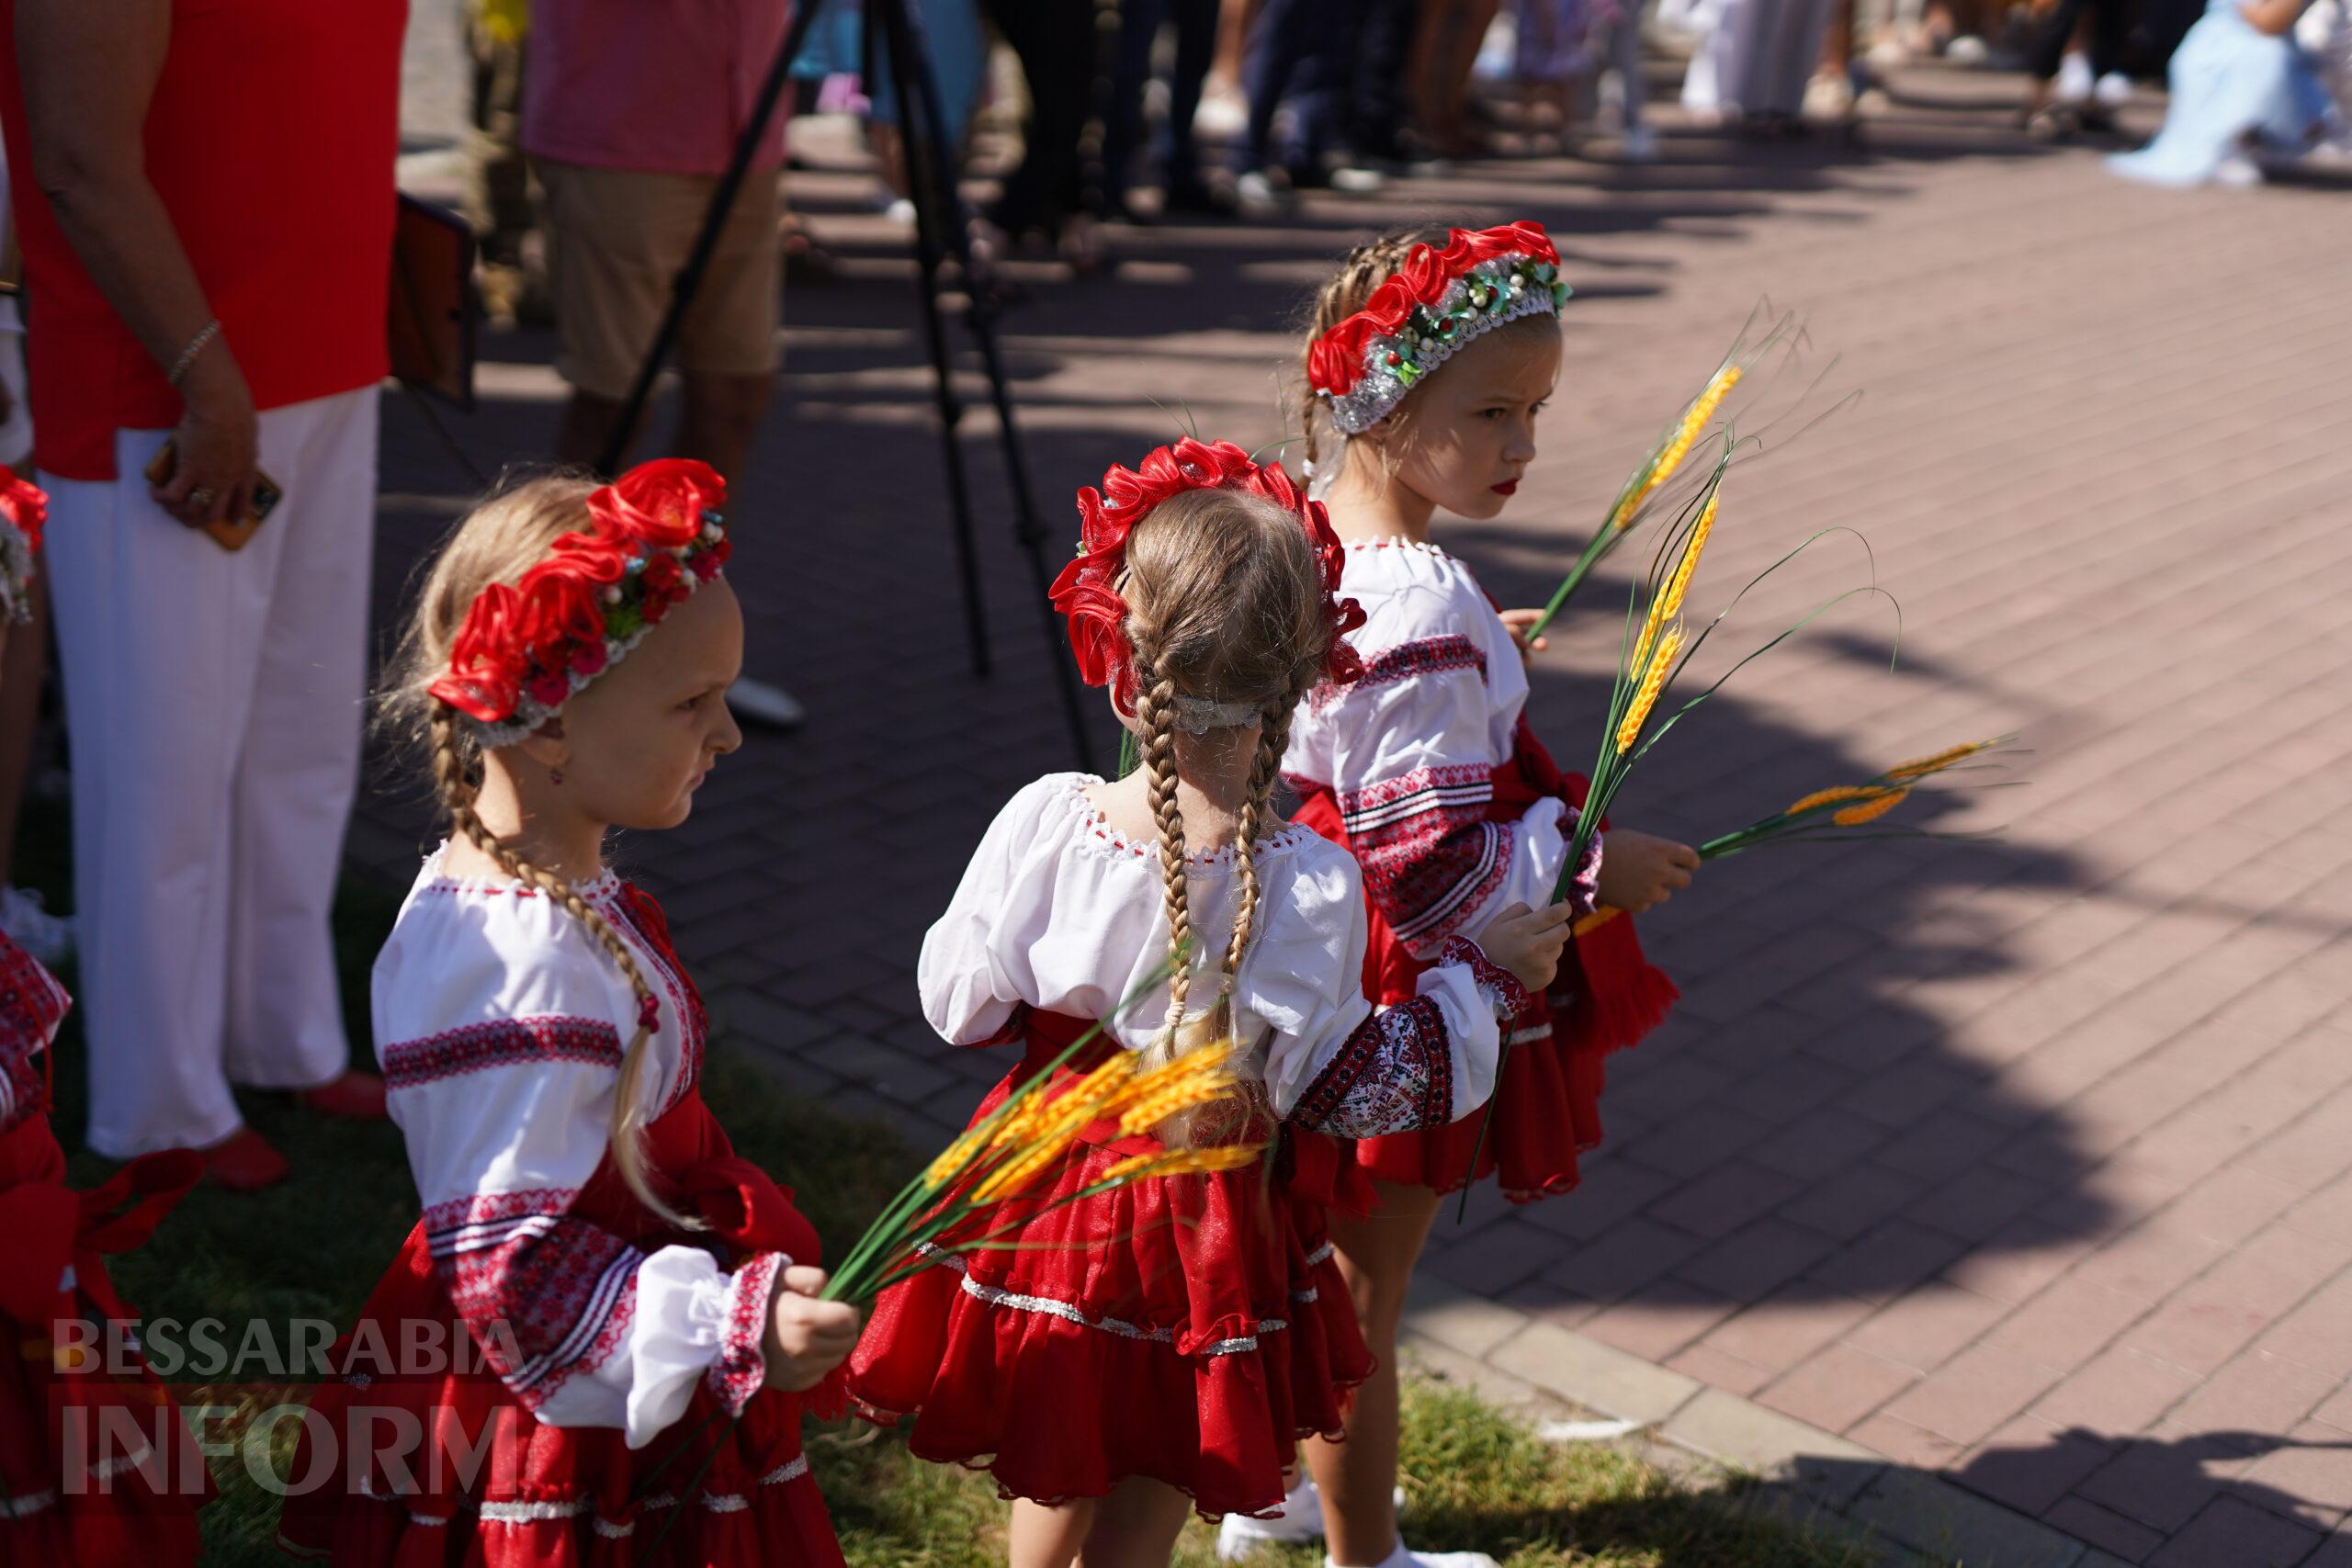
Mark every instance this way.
x=547 y=745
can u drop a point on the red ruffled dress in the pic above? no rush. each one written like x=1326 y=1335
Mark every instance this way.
x=1187 y=1330
x=1426 y=770
x=550 y=1373
x=97 y=1466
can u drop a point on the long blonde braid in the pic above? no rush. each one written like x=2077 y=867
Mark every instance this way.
x=1156 y=711
x=454 y=782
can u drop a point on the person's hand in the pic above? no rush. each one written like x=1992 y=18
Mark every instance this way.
x=212 y=469
x=1639 y=872
x=1528 y=942
x=805 y=1337
x=1516 y=622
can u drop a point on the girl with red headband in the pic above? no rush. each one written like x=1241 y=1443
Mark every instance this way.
x=1162 y=1348
x=1430 y=359
x=96 y=1467
x=590 y=1347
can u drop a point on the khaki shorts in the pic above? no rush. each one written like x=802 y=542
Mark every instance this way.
x=616 y=241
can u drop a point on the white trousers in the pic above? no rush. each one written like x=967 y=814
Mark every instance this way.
x=1756 y=55
x=214 y=701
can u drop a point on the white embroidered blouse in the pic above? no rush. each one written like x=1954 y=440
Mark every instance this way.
x=1409 y=751
x=500 y=1023
x=1059 y=911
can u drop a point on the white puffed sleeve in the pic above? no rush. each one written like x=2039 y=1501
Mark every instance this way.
x=1408 y=752
x=499 y=1026
x=1334 y=1063
x=978 y=962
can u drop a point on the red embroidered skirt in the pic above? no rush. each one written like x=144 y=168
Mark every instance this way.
x=1189 y=1330
x=97 y=1469
x=493 y=1486
x=1547 y=1098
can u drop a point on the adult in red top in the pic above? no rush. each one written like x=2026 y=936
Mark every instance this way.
x=205 y=200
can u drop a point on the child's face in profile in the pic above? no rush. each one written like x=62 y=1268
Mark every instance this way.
x=642 y=736
x=1473 y=432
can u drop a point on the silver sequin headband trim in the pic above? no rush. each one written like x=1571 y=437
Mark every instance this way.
x=1198 y=715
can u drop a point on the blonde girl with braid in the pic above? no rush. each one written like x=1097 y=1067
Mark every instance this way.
x=1429 y=359
x=601 y=1325
x=1161 y=1350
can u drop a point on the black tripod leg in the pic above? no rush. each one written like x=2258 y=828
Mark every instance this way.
x=914 y=139
x=939 y=190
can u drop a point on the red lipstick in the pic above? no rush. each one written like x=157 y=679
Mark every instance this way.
x=1508 y=487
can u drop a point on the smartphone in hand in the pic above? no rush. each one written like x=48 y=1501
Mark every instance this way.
x=229 y=533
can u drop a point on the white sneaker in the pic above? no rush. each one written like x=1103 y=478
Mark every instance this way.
x=2114 y=90
x=2237 y=171
x=49 y=938
x=1260 y=196
x=2073 y=84
x=1640 y=145
x=1301 y=1518
x=1406 y=1557
x=1968 y=49
x=900 y=211
x=1356 y=180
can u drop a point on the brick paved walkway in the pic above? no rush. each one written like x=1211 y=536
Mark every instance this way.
x=2027 y=1163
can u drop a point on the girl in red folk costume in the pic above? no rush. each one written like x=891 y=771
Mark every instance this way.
x=96 y=1467
x=1174 y=1340
x=1426 y=769
x=598 y=1284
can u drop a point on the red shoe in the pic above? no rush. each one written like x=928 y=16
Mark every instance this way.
x=355 y=1097
x=245 y=1162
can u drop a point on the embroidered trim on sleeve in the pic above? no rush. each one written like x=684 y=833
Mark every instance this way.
x=1422 y=656
x=740 y=1368
x=1394 y=1074
x=545 y=1295
x=1430 y=856
x=500 y=1042
x=1498 y=985
x=31 y=1005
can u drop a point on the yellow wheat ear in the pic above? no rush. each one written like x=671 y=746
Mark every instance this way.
x=1920 y=767
x=1685 y=436
x=1822 y=797
x=1870 y=810
x=1661 y=664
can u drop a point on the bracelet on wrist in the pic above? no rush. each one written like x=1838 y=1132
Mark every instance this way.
x=195 y=346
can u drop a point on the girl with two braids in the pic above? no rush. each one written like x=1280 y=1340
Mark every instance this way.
x=1428 y=358
x=598 y=1283
x=1162 y=1348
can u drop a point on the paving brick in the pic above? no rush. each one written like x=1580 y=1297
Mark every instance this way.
x=2232 y=1534
x=2029 y=1464
x=1927 y=1327
x=1725 y=1199
x=2104 y=1528
x=2308 y=1477
x=2068 y=1323
x=1654 y=1329
x=1886 y=1261
x=1625 y=1259
x=1972 y=1393
x=1756 y=1260
x=2120 y=1393
x=2257 y=1391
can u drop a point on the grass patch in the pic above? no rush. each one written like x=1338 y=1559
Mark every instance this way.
x=315 y=1247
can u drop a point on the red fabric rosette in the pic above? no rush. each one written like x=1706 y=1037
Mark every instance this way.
x=23 y=503
x=1087 y=593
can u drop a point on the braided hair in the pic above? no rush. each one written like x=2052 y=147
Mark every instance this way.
x=1226 y=603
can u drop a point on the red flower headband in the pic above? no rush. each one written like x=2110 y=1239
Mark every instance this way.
x=1087 y=591
x=1432 y=305
x=23 y=512
x=653 y=534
